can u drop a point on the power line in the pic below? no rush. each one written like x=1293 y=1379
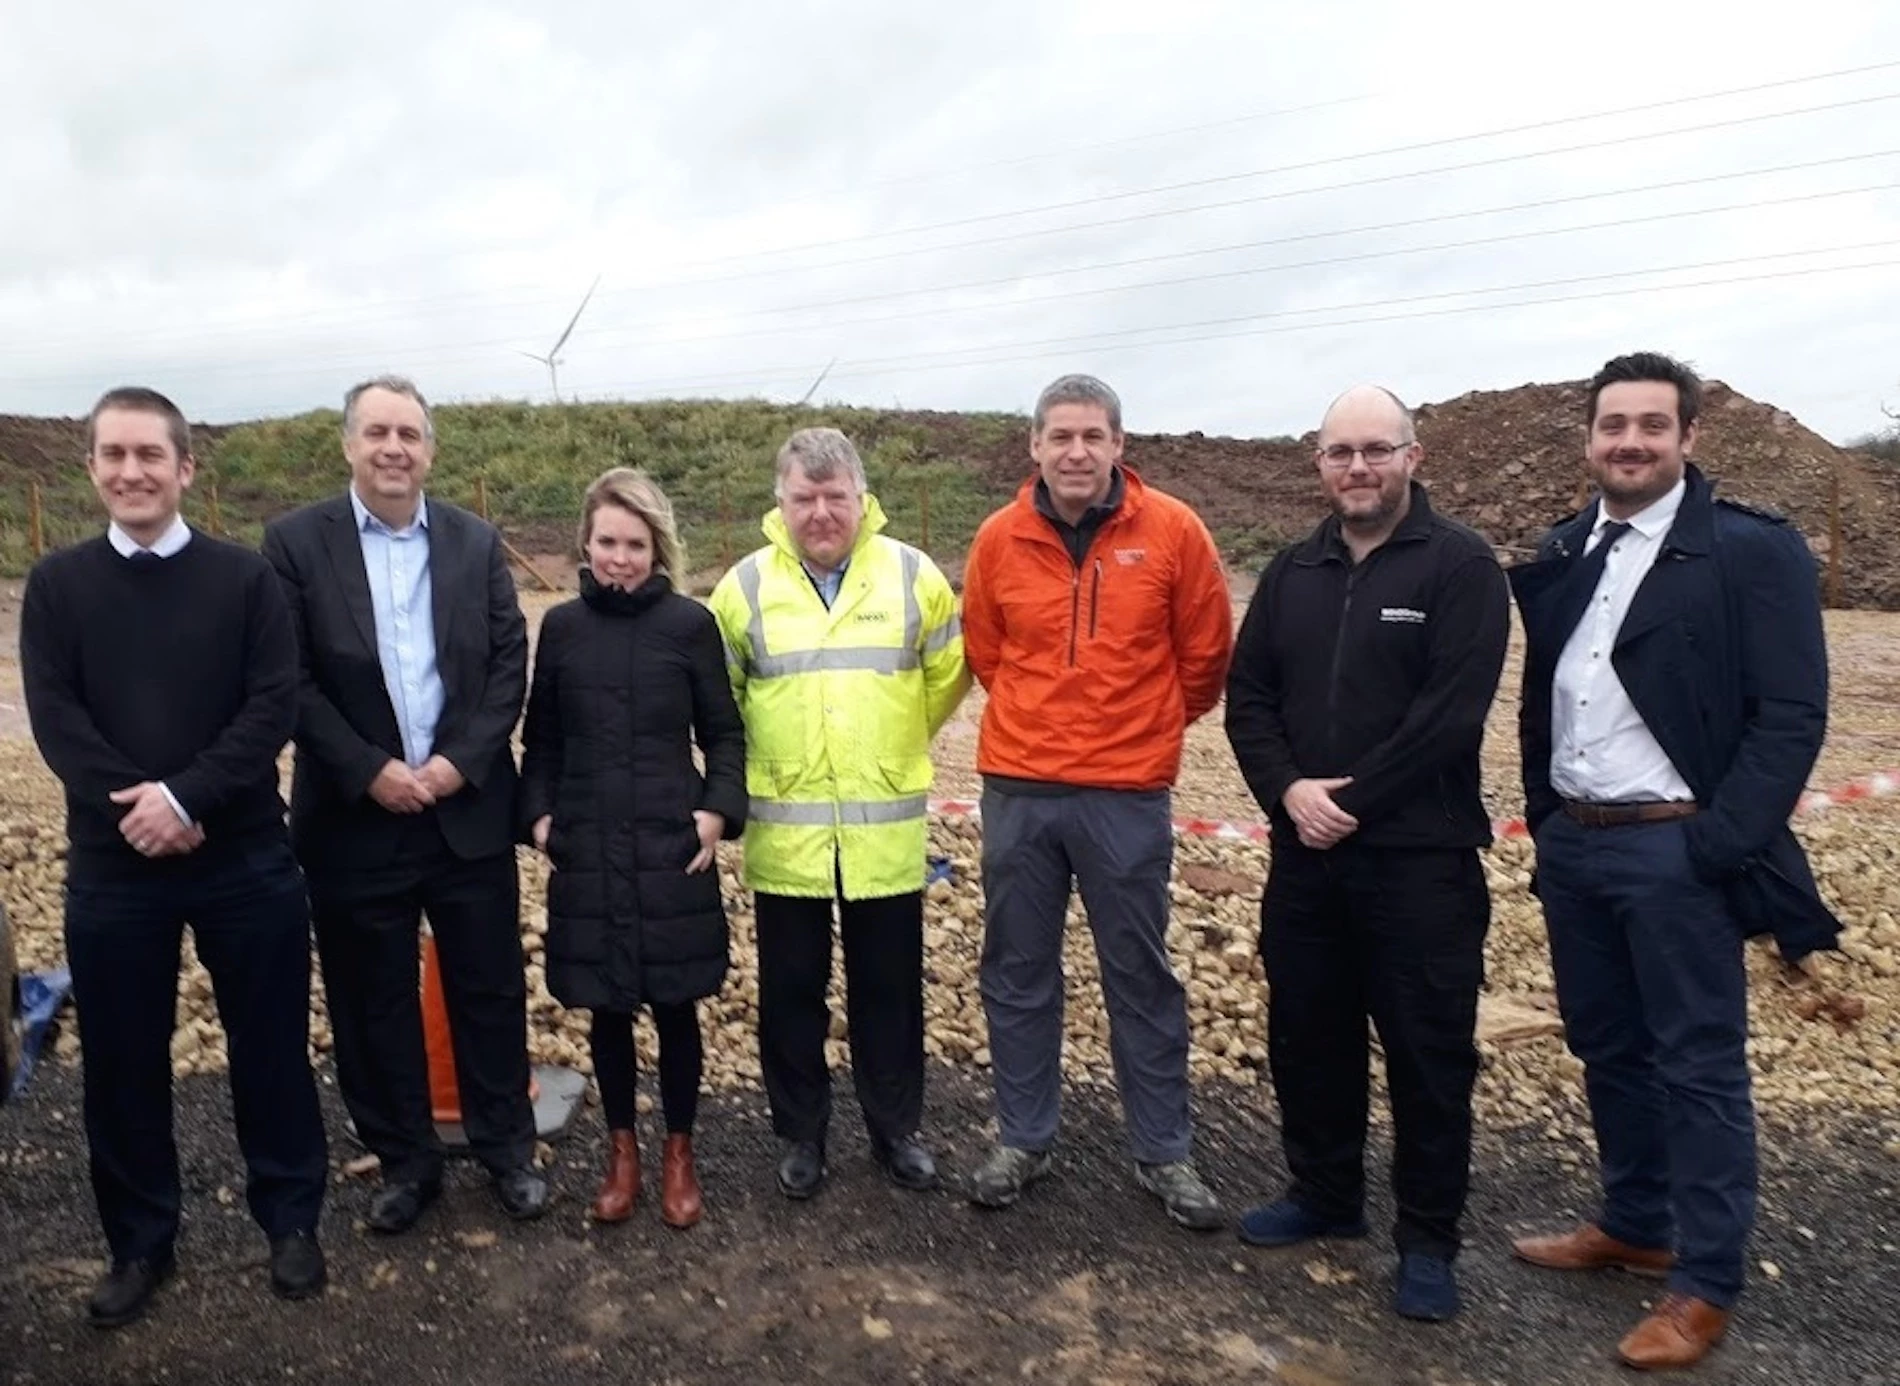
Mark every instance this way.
x=857 y=261
x=1308 y=165
x=1094 y=339
x=943 y=358
x=1180 y=281
x=42 y=345
x=1362 y=257
x=874 y=369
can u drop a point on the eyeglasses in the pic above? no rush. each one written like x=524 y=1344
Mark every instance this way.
x=1338 y=457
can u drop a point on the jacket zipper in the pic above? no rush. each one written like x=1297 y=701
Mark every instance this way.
x=1095 y=598
x=1339 y=658
x=1075 y=610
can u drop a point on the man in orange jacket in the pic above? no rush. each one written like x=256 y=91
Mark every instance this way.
x=1096 y=614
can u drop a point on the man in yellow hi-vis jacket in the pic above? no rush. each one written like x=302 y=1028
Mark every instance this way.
x=846 y=655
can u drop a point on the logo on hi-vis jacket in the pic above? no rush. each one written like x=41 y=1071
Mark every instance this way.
x=1129 y=557
x=878 y=617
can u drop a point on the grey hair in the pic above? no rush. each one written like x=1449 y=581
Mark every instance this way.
x=395 y=385
x=1079 y=389
x=1407 y=425
x=821 y=453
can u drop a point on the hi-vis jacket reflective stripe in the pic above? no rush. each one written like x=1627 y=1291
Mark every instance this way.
x=840 y=706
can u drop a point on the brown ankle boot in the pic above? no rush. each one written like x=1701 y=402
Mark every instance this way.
x=679 y=1184
x=620 y=1188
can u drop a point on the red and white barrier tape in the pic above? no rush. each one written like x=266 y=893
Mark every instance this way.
x=1879 y=785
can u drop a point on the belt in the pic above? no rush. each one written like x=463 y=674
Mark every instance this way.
x=1620 y=815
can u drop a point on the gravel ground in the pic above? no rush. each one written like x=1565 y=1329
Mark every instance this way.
x=1084 y=1282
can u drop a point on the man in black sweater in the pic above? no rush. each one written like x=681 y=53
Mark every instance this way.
x=1356 y=705
x=161 y=680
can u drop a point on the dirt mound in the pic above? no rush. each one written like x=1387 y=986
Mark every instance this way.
x=1508 y=462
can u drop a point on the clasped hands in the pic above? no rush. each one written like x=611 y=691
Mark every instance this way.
x=1316 y=818
x=401 y=789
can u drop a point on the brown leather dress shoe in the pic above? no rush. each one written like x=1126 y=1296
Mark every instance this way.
x=680 y=1204
x=1679 y=1332
x=620 y=1188
x=1588 y=1247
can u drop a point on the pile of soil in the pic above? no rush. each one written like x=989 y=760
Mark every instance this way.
x=1507 y=462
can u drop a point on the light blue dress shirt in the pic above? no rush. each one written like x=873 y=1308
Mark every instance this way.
x=828 y=584
x=402 y=596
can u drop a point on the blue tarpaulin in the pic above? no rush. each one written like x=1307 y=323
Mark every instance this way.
x=41 y=996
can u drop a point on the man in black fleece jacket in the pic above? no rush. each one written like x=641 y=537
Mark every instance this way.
x=1356 y=704
x=161 y=679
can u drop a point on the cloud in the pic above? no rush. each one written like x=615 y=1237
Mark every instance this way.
x=1229 y=209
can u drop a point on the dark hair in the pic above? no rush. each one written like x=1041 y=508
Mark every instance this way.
x=1078 y=389
x=139 y=400
x=1650 y=365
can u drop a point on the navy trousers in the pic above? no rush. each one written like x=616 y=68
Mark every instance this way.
x=1654 y=998
x=1395 y=936
x=251 y=924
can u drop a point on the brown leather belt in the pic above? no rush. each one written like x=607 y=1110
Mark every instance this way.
x=1620 y=815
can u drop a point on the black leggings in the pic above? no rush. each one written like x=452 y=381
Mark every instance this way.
x=682 y=1056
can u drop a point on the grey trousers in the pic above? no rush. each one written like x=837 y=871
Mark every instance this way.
x=1118 y=846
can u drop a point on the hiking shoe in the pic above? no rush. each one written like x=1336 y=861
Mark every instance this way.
x=1425 y=1289
x=1286 y=1223
x=1188 y=1200
x=1000 y=1180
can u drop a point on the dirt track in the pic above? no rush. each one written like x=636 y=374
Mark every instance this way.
x=1084 y=1282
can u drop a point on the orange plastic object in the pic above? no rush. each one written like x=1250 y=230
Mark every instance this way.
x=445 y=1098
x=445 y=1095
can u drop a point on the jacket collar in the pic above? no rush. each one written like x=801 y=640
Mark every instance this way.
x=1131 y=488
x=613 y=601
x=1329 y=541
x=1692 y=533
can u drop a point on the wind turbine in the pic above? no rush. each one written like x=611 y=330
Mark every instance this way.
x=553 y=359
x=806 y=397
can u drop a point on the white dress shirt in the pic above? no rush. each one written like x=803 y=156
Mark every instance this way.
x=175 y=537
x=1601 y=753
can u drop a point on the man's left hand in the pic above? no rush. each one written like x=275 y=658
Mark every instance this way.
x=441 y=778
x=151 y=825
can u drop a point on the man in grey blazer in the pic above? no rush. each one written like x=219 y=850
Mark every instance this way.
x=414 y=659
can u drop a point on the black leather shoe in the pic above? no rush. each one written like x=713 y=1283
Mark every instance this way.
x=124 y=1292
x=297 y=1270
x=908 y=1164
x=801 y=1171
x=523 y=1193
x=396 y=1207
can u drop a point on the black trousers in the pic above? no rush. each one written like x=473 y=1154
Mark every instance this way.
x=251 y=924
x=883 y=943
x=1397 y=936
x=367 y=927
x=681 y=1061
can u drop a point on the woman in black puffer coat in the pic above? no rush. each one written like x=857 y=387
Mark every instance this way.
x=626 y=680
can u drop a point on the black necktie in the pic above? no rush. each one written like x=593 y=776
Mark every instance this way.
x=143 y=556
x=1581 y=585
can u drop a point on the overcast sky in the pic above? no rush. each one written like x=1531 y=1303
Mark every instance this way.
x=1230 y=209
